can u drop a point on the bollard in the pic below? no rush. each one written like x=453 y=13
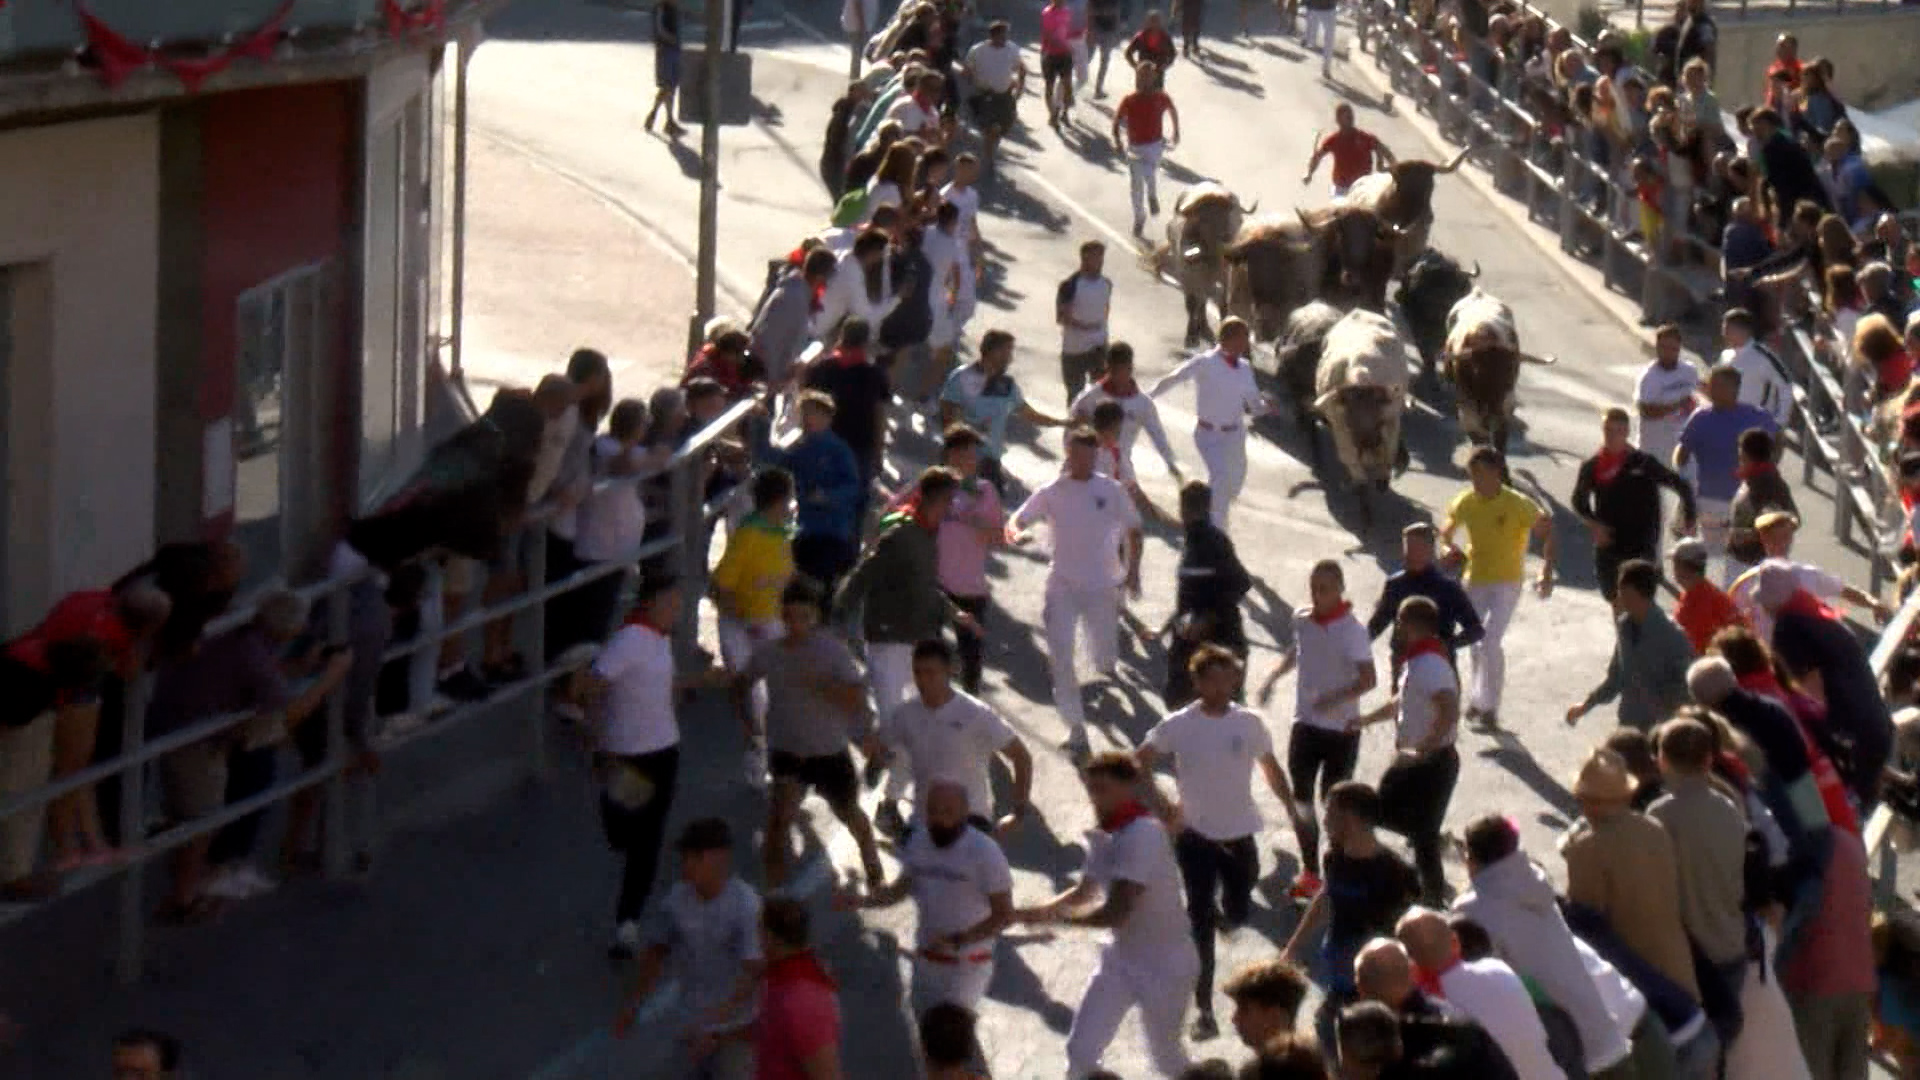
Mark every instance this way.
x=336 y=848
x=133 y=812
x=536 y=640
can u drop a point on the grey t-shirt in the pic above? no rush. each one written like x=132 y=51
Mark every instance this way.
x=801 y=719
x=708 y=942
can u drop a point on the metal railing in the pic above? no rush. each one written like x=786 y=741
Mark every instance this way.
x=686 y=546
x=1663 y=10
x=1594 y=215
x=1883 y=860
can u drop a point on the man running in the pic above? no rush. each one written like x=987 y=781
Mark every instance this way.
x=998 y=77
x=1355 y=152
x=1140 y=114
x=1150 y=961
x=1418 y=784
x=1056 y=60
x=1082 y=305
x=1225 y=394
x=1120 y=387
x=1500 y=522
x=1668 y=390
x=1215 y=745
x=1321 y=20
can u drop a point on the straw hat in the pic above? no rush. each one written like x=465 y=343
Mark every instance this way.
x=1604 y=778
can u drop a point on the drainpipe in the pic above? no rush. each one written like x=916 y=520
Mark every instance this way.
x=468 y=41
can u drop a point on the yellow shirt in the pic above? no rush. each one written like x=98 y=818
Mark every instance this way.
x=755 y=569
x=1497 y=531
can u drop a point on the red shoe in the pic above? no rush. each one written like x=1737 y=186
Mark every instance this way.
x=1305 y=887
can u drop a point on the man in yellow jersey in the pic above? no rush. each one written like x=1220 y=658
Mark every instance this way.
x=1499 y=522
x=746 y=588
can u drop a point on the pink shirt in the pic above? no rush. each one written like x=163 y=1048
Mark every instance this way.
x=1056 y=30
x=962 y=546
x=797 y=1018
x=1834 y=953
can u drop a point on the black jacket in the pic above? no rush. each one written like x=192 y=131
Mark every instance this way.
x=1459 y=623
x=1212 y=583
x=1630 y=504
x=1763 y=491
x=1437 y=1042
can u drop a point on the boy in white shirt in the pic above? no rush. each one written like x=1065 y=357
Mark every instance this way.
x=960 y=191
x=1668 y=390
x=1418 y=785
x=1334 y=655
x=1761 y=380
x=1119 y=387
x=1215 y=745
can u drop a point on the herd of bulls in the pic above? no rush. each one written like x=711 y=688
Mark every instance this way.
x=1315 y=284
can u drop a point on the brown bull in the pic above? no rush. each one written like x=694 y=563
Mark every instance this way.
x=1403 y=197
x=1206 y=219
x=1339 y=254
x=1482 y=358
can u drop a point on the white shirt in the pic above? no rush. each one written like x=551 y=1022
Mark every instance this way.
x=1214 y=757
x=1496 y=999
x=859 y=16
x=956 y=742
x=953 y=886
x=846 y=294
x=638 y=718
x=1624 y=1001
x=1087 y=300
x=1112 y=462
x=968 y=200
x=555 y=437
x=1085 y=517
x=1426 y=675
x=1224 y=393
x=1327 y=655
x=709 y=943
x=1761 y=382
x=993 y=66
x=952 y=270
x=882 y=193
x=613 y=520
x=914 y=118
x=1823 y=584
x=1142 y=415
x=1665 y=386
x=1142 y=853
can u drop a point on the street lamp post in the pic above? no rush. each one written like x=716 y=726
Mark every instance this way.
x=706 y=273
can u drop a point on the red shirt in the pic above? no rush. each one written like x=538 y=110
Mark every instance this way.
x=1352 y=152
x=799 y=1014
x=1705 y=610
x=1142 y=113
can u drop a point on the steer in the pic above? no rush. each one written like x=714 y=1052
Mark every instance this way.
x=1483 y=360
x=1299 y=348
x=1277 y=265
x=1361 y=389
x=1434 y=283
x=1206 y=218
x=1403 y=197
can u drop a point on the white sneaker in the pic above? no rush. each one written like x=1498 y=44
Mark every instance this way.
x=626 y=941
x=225 y=884
x=252 y=882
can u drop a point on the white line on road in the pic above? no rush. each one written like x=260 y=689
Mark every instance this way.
x=807 y=28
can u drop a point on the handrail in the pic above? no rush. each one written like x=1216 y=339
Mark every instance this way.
x=691 y=517
x=1882 y=858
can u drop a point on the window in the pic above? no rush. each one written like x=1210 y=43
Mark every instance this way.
x=393 y=366
x=273 y=427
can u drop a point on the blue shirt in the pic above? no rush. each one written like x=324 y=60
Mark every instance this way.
x=826 y=481
x=1712 y=437
x=985 y=402
x=1744 y=245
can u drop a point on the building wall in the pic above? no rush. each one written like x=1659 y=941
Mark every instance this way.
x=1872 y=52
x=78 y=209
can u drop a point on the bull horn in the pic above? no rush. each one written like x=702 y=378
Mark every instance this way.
x=1304 y=219
x=1453 y=165
x=1476 y=270
x=1529 y=358
x=1245 y=208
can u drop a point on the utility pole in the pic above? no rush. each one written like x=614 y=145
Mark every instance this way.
x=719 y=12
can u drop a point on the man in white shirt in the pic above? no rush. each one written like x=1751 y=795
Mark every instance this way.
x=951 y=295
x=1215 y=746
x=1776 y=530
x=918 y=113
x=957 y=735
x=962 y=888
x=851 y=290
x=1082 y=306
x=1334 y=656
x=1418 y=785
x=1763 y=381
x=1669 y=386
x=1225 y=394
x=1131 y=887
x=707 y=931
x=1487 y=990
x=999 y=76
x=1118 y=386
x=1089 y=517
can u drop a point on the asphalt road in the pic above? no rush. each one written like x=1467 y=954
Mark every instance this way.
x=474 y=949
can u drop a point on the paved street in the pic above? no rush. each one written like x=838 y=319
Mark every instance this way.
x=474 y=950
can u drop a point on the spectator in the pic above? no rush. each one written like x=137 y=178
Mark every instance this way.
x=948 y=1046
x=1786 y=59
x=1617 y=493
x=1621 y=865
x=861 y=393
x=904 y=332
x=1776 y=533
x=968 y=534
x=1744 y=245
x=1880 y=354
x=1699 y=107
x=1709 y=834
x=1783 y=779
x=1845 y=173
x=1762 y=491
x=1383 y=972
x=1763 y=380
x=145 y=1054
x=1287 y=1057
x=985 y=396
x=836 y=147
x=951 y=272
x=1756 y=670
x=1710 y=438
x=1785 y=166
x=1815 y=105
x=782 y=328
x=1485 y=990
x=1647 y=672
x=1266 y=997
x=1843 y=305
x=827 y=486
x=1830 y=979
x=861 y=287
x=1704 y=608
x=1883 y=297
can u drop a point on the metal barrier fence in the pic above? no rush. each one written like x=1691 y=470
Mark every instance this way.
x=1878 y=834
x=1592 y=213
x=686 y=544
x=1663 y=10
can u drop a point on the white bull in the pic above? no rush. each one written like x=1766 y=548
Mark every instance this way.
x=1482 y=358
x=1361 y=391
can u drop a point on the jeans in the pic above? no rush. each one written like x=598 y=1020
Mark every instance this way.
x=1317 y=754
x=637 y=827
x=972 y=645
x=1210 y=868
x=1415 y=795
x=1833 y=1033
x=825 y=559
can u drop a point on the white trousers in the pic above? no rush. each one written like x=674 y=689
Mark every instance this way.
x=890 y=679
x=1143 y=170
x=1067 y=608
x=1715 y=521
x=1320 y=26
x=1225 y=453
x=963 y=984
x=1161 y=986
x=1495 y=604
x=738 y=639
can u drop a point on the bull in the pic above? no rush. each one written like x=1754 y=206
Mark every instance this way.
x=1403 y=197
x=1433 y=284
x=1482 y=359
x=1206 y=219
x=1361 y=392
x=1301 y=343
x=1275 y=266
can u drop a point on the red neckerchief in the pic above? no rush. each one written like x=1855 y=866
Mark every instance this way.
x=1333 y=616
x=850 y=357
x=1232 y=360
x=797 y=257
x=798 y=968
x=920 y=100
x=1749 y=470
x=1765 y=684
x=1607 y=465
x=1732 y=768
x=817 y=299
x=1803 y=602
x=1428 y=979
x=1112 y=390
x=639 y=618
x=1431 y=646
x=1130 y=811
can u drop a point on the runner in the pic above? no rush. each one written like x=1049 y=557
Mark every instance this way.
x=1082 y=305
x=998 y=77
x=1225 y=393
x=666 y=65
x=1141 y=114
x=1418 y=784
x=1499 y=522
x=1355 y=152
x=1056 y=61
x=1119 y=386
x=1668 y=390
x=1322 y=17
x=1103 y=32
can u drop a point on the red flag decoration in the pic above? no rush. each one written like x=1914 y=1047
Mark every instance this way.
x=118 y=56
x=400 y=21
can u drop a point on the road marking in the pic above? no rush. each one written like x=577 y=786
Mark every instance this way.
x=806 y=28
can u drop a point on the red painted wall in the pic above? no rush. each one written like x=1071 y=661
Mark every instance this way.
x=279 y=190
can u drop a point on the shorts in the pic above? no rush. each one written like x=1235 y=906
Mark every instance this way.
x=666 y=67
x=1056 y=66
x=832 y=775
x=993 y=109
x=194 y=779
